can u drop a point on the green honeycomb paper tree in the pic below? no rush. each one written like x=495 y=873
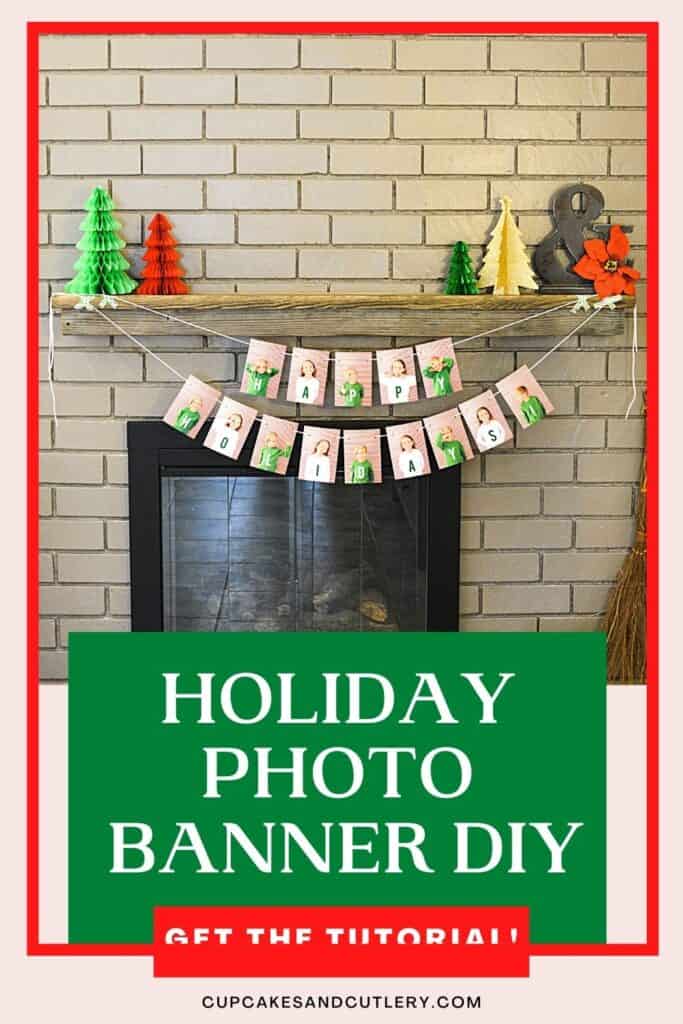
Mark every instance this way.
x=101 y=269
x=461 y=279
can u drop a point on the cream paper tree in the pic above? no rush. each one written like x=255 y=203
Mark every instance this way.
x=506 y=267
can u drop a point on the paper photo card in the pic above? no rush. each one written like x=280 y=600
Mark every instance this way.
x=263 y=369
x=396 y=371
x=191 y=407
x=307 y=376
x=274 y=444
x=408 y=450
x=353 y=379
x=448 y=438
x=439 y=368
x=362 y=457
x=525 y=396
x=230 y=428
x=485 y=421
x=319 y=455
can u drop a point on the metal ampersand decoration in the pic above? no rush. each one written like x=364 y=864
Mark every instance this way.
x=571 y=226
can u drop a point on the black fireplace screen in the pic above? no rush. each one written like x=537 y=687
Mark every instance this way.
x=217 y=546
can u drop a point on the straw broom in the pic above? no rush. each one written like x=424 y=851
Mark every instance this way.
x=625 y=615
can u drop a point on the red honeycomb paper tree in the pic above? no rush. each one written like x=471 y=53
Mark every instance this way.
x=163 y=273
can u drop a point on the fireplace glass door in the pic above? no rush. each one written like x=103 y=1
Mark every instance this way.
x=265 y=553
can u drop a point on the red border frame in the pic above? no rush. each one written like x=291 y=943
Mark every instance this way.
x=651 y=31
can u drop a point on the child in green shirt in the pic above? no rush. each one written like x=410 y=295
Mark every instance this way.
x=188 y=417
x=258 y=377
x=272 y=452
x=452 y=449
x=439 y=372
x=351 y=390
x=531 y=407
x=361 y=467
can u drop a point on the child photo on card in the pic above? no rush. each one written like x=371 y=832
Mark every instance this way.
x=230 y=428
x=263 y=369
x=525 y=396
x=191 y=407
x=448 y=438
x=362 y=457
x=353 y=379
x=439 y=368
x=319 y=455
x=408 y=450
x=307 y=376
x=485 y=420
x=274 y=443
x=396 y=369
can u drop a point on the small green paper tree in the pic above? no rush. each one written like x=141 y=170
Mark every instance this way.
x=102 y=267
x=461 y=278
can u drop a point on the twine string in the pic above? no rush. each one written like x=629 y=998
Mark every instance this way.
x=634 y=362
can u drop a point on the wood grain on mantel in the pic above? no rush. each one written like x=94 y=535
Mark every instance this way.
x=309 y=315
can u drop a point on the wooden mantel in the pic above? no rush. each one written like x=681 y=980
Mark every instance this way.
x=309 y=315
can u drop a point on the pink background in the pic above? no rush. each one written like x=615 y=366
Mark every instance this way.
x=394 y=435
x=469 y=413
x=193 y=387
x=321 y=360
x=525 y=377
x=370 y=438
x=362 y=363
x=440 y=347
x=435 y=424
x=286 y=431
x=227 y=407
x=385 y=358
x=275 y=354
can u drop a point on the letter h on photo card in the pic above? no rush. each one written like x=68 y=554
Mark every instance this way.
x=263 y=369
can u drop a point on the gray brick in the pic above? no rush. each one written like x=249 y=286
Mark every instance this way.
x=118 y=535
x=116 y=468
x=166 y=51
x=470 y=90
x=156 y=123
x=47 y=633
x=284 y=158
x=488 y=565
x=143 y=193
x=100 y=568
x=469 y=600
x=346 y=194
x=491 y=624
x=568 y=623
x=45 y=568
x=189 y=88
x=562 y=366
x=515 y=468
x=607 y=400
x=620 y=363
x=528 y=533
x=96 y=435
x=92 y=501
x=563 y=433
x=615 y=467
x=71 y=534
x=94 y=158
x=441 y=54
x=106 y=625
x=188 y=158
x=350 y=229
x=344 y=124
x=283 y=228
x=59 y=467
x=72 y=52
x=251 y=52
x=346 y=52
x=540 y=598
x=468 y=159
x=580 y=499
x=582 y=565
x=119 y=600
x=244 y=263
x=591 y=597
x=392 y=90
x=501 y=501
x=366 y=158
x=58 y=600
x=107 y=90
x=249 y=123
x=625 y=433
x=283 y=89
x=73 y=124
x=45 y=501
x=343 y=263
x=201 y=229
x=98 y=366
x=604 y=533
x=252 y=194
x=145 y=400
x=209 y=366
x=53 y=665
x=440 y=194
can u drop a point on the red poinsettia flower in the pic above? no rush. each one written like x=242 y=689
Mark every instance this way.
x=604 y=264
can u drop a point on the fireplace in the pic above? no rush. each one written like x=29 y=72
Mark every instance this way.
x=217 y=546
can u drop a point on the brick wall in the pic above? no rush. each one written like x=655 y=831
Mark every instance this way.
x=342 y=164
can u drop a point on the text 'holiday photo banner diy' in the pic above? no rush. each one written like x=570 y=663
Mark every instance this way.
x=352 y=376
